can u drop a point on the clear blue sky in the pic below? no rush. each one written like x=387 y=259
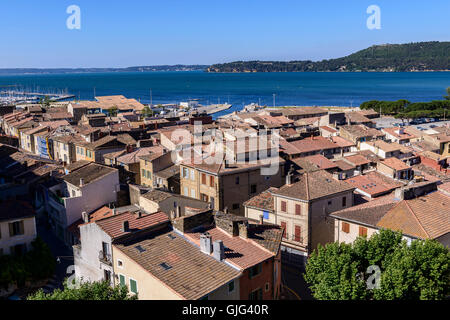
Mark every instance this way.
x=147 y=32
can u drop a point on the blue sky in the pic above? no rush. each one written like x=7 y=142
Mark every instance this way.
x=146 y=32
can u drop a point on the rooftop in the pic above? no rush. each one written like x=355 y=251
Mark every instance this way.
x=88 y=173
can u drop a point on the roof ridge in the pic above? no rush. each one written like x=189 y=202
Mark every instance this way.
x=307 y=186
x=416 y=218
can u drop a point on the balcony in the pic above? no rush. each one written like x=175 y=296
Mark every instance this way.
x=105 y=258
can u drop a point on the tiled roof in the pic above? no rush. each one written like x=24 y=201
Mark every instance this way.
x=313 y=144
x=168 y=172
x=264 y=200
x=383 y=145
x=242 y=253
x=373 y=183
x=321 y=162
x=445 y=188
x=157 y=195
x=114 y=224
x=189 y=272
x=368 y=213
x=89 y=173
x=426 y=217
x=357 y=160
x=133 y=157
x=327 y=128
x=360 y=130
x=313 y=185
x=343 y=165
x=395 y=132
x=395 y=164
x=341 y=142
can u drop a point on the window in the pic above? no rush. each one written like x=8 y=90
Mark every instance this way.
x=192 y=174
x=107 y=275
x=186 y=191
x=345 y=227
x=143 y=173
x=122 y=281
x=186 y=173
x=329 y=202
x=203 y=197
x=231 y=287
x=119 y=263
x=237 y=180
x=255 y=270
x=344 y=201
x=267 y=286
x=283 y=206
x=283 y=225
x=16 y=228
x=298 y=209
x=298 y=233
x=192 y=193
x=362 y=232
x=255 y=295
x=253 y=188
x=203 y=178
x=149 y=175
x=211 y=181
x=133 y=286
x=235 y=206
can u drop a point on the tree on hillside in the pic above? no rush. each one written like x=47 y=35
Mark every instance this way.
x=86 y=291
x=147 y=112
x=447 y=97
x=382 y=267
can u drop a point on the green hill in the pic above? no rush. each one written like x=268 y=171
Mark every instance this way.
x=420 y=56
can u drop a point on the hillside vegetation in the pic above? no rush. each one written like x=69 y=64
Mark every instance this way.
x=420 y=56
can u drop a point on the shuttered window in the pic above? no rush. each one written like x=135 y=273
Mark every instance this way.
x=283 y=206
x=283 y=226
x=203 y=178
x=345 y=227
x=298 y=209
x=298 y=233
x=133 y=286
x=211 y=181
x=362 y=231
x=122 y=280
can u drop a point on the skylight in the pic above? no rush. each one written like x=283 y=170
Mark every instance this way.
x=165 y=266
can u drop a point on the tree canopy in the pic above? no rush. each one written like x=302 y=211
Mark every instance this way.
x=340 y=271
x=86 y=291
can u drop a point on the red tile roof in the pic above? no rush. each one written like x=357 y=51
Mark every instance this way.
x=113 y=225
x=243 y=253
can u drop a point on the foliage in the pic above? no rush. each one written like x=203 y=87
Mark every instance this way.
x=389 y=57
x=421 y=270
x=147 y=112
x=45 y=101
x=447 y=97
x=406 y=110
x=36 y=264
x=112 y=112
x=86 y=291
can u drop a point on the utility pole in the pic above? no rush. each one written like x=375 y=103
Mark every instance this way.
x=274 y=100
x=151 y=98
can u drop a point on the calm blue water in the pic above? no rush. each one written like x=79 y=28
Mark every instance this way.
x=321 y=89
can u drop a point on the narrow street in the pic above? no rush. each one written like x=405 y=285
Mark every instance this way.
x=297 y=288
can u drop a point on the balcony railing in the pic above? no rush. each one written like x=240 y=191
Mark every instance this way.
x=104 y=257
x=292 y=237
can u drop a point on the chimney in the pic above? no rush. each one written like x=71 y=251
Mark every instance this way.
x=81 y=182
x=206 y=245
x=225 y=210
x=125 y=226
x=261 y=219
x=113 y=211
x=85 y=217
x=178 y=211
x=227 y=165
x=399 y=194
x=289 y=179
x=139 y=214
x=218 y=250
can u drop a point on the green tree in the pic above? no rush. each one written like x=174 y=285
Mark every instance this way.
x=86 y=291
x=447 y=97
x=418 y=271
x=112 y=112
x=147 y=112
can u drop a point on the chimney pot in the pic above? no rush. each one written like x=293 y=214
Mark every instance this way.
x=218 y=250
x=206 y=245
x=81 y=182
x=261 y=219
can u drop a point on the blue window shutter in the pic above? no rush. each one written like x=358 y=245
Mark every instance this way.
x=265 y=214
